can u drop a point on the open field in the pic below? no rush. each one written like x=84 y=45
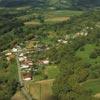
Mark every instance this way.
x=33 y=23
x=56 y=19
x=41 y=90
x=93 y=85
x=61 y=13
x=50 y=71
x=50 y=16
x=85 y=54
x=13 y=70
x=18 y=96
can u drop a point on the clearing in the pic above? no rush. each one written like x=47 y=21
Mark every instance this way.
x=41 y=90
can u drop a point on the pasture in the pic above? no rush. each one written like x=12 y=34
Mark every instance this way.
x=41 y=90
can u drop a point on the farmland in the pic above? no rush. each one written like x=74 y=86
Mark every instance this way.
x=41 y=90
x=49 y=17
x=93 y=86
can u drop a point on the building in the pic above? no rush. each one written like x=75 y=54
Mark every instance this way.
x=14 y=50
x=8 y=54
x=26 y=76
x=24 y=66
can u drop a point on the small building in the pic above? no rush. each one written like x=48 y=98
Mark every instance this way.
x=8 y=54
x=65 y=42
x=27 y=76
x=60 y=40
x=21 y=59
x=24 y=66
x=14 y=50
x=45 y=62
x=21 y=55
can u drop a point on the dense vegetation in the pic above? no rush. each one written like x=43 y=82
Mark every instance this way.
x=52 y=4
x=8 y=78
x=79 y=60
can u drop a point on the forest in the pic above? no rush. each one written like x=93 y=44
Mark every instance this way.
x=52 y=4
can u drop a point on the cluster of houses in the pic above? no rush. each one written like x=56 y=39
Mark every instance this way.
x=68 y=37
x=26 y=64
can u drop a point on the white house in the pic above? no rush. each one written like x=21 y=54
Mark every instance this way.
x=27 y=79
x=14 y=50
x=8 y=54
x=65 y=41
x=60 y=40
x=21 y=59
x=45 y=62
x=21 y=55
x=23 y=66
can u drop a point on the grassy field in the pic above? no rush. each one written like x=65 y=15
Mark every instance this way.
x=93 y=85
x=41 y=90
x=18 y=96
x=61 y=13
x=51 y=71
x=54 y=20
x=33 y=23
x=13 y=74
x=85 y=54
x=50 y=16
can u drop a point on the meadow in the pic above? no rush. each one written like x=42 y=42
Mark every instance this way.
x=50 y=16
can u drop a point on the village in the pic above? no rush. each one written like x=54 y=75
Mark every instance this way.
x=26 y=63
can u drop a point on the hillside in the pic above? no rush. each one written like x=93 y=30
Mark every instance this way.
x=78 y=60
x=52 y=4
x=59 y=47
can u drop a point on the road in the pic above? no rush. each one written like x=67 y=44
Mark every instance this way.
x=23 y=90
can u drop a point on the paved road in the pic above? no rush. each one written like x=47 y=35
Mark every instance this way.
x=24 y=91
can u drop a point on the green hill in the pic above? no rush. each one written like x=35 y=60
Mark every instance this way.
x=79 y=60
x=52 y=4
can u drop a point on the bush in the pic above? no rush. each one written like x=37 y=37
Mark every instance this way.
x=93 y=55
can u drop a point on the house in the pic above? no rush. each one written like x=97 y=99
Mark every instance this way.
x=14 y=50
x=21 y=59
x=24 y=66
x=30 y=62
x=59 y=40
x=8 y=58
x=64 y=41
x=27 y=76
x=21 y=55
x=8 y=54
x=45 y=62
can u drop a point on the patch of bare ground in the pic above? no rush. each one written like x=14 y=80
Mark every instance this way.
x=97 y=95
x=18 y=96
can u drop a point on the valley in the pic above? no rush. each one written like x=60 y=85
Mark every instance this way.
x=49 y=54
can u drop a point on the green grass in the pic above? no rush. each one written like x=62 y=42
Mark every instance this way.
x=51 y=16
x=38 y=77
x=13 y=70
x=85 y=55
x=67 y=13
x=93 y=85
x=52 y=71
x=33 y=23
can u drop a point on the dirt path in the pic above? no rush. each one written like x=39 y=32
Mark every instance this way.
x=97 y=95
x=45 y=81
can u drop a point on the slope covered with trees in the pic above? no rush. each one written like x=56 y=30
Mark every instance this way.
x=79 y=60
x=52 y=4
